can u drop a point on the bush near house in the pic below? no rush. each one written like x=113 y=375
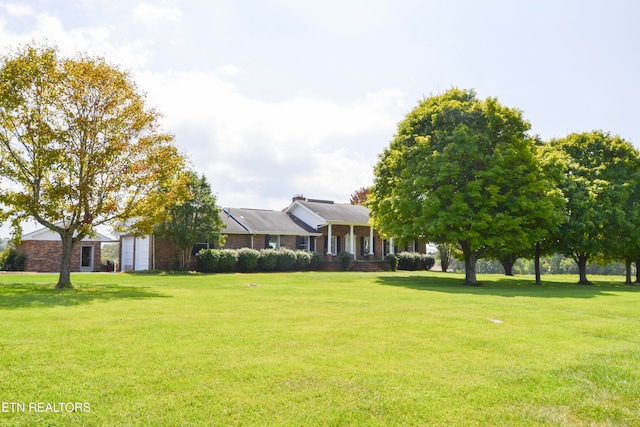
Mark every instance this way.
x=303 y=260
x=286 y=260
x=228 y=260
x=268 y=260
x=392 y=259
x=414 y=261
x=248 y=260
x=345 y=260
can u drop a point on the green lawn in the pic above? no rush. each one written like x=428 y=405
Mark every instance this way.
x=303 y=349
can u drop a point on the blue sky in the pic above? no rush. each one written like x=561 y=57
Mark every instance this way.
x=278 y=97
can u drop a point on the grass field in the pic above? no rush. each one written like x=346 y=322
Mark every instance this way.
x=305 y=349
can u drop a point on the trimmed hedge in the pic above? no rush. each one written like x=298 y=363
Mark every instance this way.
x=248 y=260
x=414 y=261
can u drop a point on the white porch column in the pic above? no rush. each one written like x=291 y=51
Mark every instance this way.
x=372 y=249
x=352 y=247
x=329 y=239
x=391 y=246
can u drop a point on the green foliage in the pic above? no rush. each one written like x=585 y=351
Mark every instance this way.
x=392 y=259
x=195 y=219
x=268 y=260
x=427 y=262
x=227 y=261
x=463 y=170
x=415 y=261
x=345 y=260
x=303 y=260
x=11 y=260
x=316 y=260
x=248 y=259
x=208 y=260
x=408 y=261
x=286 y=260
x=601 y=183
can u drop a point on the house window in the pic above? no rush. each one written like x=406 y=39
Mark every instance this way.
x=302 y=243
x=198 y=247
x=334 y=245
x=272 y=241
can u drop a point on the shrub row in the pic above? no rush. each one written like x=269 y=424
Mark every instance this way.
x=415 y=261
x=247 y=260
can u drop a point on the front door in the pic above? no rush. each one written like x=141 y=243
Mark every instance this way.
x=86 y=258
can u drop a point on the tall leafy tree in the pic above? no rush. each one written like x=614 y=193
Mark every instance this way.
x=445 y=253
x=462 y=170
x=600 y=183
x=79 y=147
x=195 y=220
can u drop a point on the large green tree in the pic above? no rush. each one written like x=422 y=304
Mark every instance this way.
x=462 y=170
x=79 y=147
x=195 y=220
x=601 y=178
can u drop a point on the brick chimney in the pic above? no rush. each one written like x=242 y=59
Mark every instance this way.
x=298 y=197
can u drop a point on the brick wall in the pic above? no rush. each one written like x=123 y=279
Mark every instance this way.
x=44 y=256
x=237 y=241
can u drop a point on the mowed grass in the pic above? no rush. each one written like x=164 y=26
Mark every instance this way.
x=397 y=348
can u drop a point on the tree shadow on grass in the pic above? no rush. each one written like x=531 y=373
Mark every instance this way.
x=507 y=286
x=37 y=295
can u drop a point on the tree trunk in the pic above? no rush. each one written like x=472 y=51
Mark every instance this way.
x=64 y=280
x=581 y=260
x=537 y=265
x=507 y=264
x=469 y=264
x=627 y=265
x=637 y=262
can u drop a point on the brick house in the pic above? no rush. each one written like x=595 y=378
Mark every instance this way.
x=43 y=252
x=313 y=225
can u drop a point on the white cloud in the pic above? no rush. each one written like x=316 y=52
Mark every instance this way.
x=302 y=144
x=256 y=153
x=93 y=40
x=18 y=9
x=150 y=15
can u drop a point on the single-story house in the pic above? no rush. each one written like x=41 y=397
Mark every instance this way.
x=313 y=225
x=43 y=252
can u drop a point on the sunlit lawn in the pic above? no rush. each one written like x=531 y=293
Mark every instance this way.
x=305 y=349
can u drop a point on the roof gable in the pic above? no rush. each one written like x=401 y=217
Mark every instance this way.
x=324 y=212
x=48 y=235
x=261 y=221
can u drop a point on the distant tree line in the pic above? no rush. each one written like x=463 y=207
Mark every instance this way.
x=465 y=173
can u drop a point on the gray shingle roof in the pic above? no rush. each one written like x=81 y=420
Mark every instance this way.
x=260 y=221
x=338 y=212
